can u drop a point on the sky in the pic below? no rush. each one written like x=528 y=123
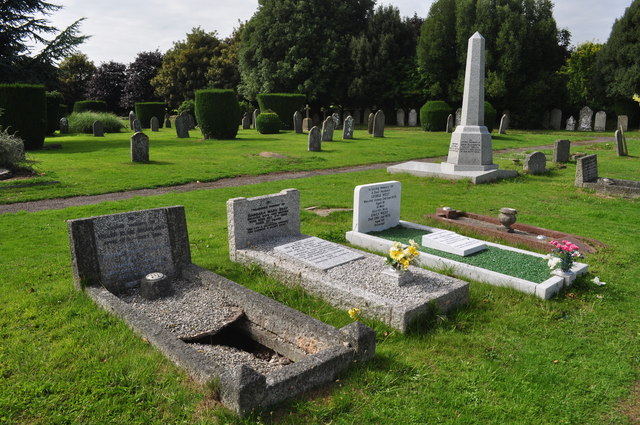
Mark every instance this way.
x=120 y=29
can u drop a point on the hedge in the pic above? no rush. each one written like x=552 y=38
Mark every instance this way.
x=268 y=123
x=90 y=105
x=218 y=113
x=53 y=111
x=283 y=104
x=24 y=112
x=434 y=114
x=82 y=122
x=147 y=110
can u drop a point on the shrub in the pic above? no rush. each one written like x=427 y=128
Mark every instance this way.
x=188 y=106
x=82 y=122
x=490 y=116
x=146 y=110
x=24 y=112
x=11 y=150
x=218 y=113
x=283 y=104
x=90 y=105
x=268 y=122
x=53 y=111
x=434 y=114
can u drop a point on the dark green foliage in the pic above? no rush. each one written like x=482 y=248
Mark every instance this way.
x=434 y=114
x=107 y=84
x=146 y=110
x=140 y=72
x=490 y=116
x=188 y=106
x=63 y=111
x=218 y=113
x=53 y=111
x=90 y=105
x=579 y=75
x=283 y=104
x=268 y=123
x=24 y=112
x=74 y=74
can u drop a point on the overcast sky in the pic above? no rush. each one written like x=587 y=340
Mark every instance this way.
x=122 y=28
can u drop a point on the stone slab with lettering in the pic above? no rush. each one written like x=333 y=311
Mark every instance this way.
x=453 y=243
x=555 y=119
x=585 y=122
x=318 y=253
x=118 y=249
x=586 y=170
x=400 y=118
x=623 y=122
x=139 y=147
x=561 y=151
x=378 y=124
x=601 y=121
x=535 y=163
x=347 y=129
x=98 y=129
x=413 y=118
x=571 y=124
x=376 y=206
x=314 y=142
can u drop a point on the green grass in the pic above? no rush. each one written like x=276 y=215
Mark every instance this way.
x=506 y=357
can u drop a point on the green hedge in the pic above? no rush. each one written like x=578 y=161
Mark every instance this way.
x=82 y=122
x=268 y=123
x=283 y=104
x=53 y=111
x=24 y=112
x=90 y=105
x=434 y=114
x=490 y=116
x=147 y=110
x=218 y=113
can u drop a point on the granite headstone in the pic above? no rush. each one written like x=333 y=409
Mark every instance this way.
x=449 y=127
x=571 y=124
x=137 y=127
x=154 y=124
x=327 y=129
x=378 y=124
x=314 y=143
x=535 y=163
x=504 y=124
x=585 y=122
x=561 y=151
x=297 y=122
x=98 y=129
x=132 y=117
x=586 y=170
x=347 y=129
x=400 y=118
x=167 y=121
x=413 y=118
x=246 y=121
x=370 y=123
x=139 y=147
x=182 y=127
x=601 y=121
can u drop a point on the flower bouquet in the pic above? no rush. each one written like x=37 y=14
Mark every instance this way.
x=399 y=258
x=563 y=256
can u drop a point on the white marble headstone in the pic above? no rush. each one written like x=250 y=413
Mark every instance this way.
x=376 y=206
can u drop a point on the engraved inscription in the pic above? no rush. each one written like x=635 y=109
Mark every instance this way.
x=376 y=201
x=318 y=253
x=470 y=146
x=267 y=217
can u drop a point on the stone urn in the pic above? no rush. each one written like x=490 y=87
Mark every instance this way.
x=507 y=217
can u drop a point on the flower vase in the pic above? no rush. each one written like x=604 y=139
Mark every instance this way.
x=567 y=275
x=398 y=277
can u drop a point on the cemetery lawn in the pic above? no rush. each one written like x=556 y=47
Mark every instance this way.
x=88 y=165
x=506 y=357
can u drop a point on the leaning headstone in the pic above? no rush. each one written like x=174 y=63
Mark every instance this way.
x=601 y=121
x=182 y=127
x=327 y=129
x=154 y=124
x=347 y=129
x=458 y=116
x=585 y=122
x=413 y=118
x=297 y=122
x=555 y=120
x=370 y=123
x=315 y=140
x=365 y=116
x=64 y=125
x=139 y=147
x=357 y=114
x=137 y=126
x=336 y=120
x=561 y=151
x=378 y=124
x=254 y=116
x=246 y=121
x=623 y=122
x=400 y=117
x=449 y=128
x=167 y=121
x=535 y=163
x=586 y=170
x=98 y=129
x=132 y=117
x=571 y=124
x=504 y=124
x=376 y=206
x=620 y=143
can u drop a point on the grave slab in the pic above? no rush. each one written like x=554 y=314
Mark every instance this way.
x=453 y=243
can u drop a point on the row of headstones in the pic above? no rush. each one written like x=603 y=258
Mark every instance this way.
x=184 y=123
x=585 y=121
x=375 y=126
x=536 y=162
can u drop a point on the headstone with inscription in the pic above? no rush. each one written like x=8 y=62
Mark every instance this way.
x=182 y=127
x=378 y=124
x=327 y=129
x=585 y=122
x=246 y=121
x=318 y=253
x=297 y=122
x=453 y=243
x=132 y=117
x=376 y=206
x=315 y=140
x=347 y=129
x=64 y=125
x=370 y=123
x=154 y=124
x=98 y=129
x=535 y=163
x=571 y=124
x=139 y=147
x=601 y=121
x=413 y=118
x=586 y=170
x=137 y=127
x=400 y=118
x=167 y=121
x=561 y=151
x=504 y=124
x=555 y=119
x=336 y=120
x=623 y=122
x=449 y=127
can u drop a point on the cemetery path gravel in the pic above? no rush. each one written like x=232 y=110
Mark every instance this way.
x=60 y=203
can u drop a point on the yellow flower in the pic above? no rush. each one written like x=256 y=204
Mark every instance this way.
x=354 y=313
x=412 y=251
x=636 y=98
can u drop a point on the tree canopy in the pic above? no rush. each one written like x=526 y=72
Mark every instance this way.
x=107 y=84
x=139 y=74
x=74 y=74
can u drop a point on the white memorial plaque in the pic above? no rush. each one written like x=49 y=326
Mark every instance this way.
x=318 y=253
x=376 y=206
x=453 y=243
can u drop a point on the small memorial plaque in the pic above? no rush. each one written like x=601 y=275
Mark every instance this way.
x=376 y=206
x=318 y=253
x=453 y=243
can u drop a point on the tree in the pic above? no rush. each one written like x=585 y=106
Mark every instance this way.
x=107 y=84
x=223 y=69
x=579 y=74
x=74 y=74
x=23 y=23
x=140 y=72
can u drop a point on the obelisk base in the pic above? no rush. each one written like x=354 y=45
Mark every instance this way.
x=470 y=149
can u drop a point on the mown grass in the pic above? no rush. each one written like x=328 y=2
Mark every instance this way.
x=506 y=357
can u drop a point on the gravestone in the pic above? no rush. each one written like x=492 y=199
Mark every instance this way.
x=365 y=116
x=191 y=122
x=585 y=122
x=378 y=124
x=307 y=123
x=400 y=118
x=449 y=128
x=246 y=121
x=458 y=116
x=297 y=122
x=601 y=121
x=620 y=143
x=254 y=116
x=413 y=118
x=561 y=151
x=167 y=121
x=327 y=130
x=132 y=117
x=586 y=170
x=623 y=122
x=318 y=253
x=137 y=127
x=571 y=124
x=336 y=120
x=154 y=124
x=64 y=125
x=370 y=123
x=453 y=243
x=139 y=147
x=98 y=129
x=314 y=143
x=555 y=120
x=182 y=127
x=315 y=120
x=357 y=116
x=347 y=129
x=535 y=163
x=504 y=124
x=376 y=206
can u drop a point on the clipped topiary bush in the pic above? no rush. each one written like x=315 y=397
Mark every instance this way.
x=82 y=122
x=218 y=113
x=53 y=111
x=147 y=110
x=90 y=105
x=268 y=122
x=283 y=104
x=11 y=150
x=490 y=116
x=24 y=112
x=434 y=114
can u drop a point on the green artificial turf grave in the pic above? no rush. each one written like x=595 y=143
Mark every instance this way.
x=511 y=263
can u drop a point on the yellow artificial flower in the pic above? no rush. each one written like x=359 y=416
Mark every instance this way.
x=354 y=313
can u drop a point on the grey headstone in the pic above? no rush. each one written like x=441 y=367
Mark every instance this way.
x=307 y=123
x=504 y=124
x=378 y=124
x=154 y=124
x=137 y=126
x=182 y=126
x=357 y=116
x=370 y=123
x=555 y=120
x=297 y=122
x=132 y=117
x=571 y=124
x=586 y=170
x=449 y=127
x=98 y=129
x=336 y=120
x=255 y=114
x=620 y=143
x=139 y=147
x=246 y=121
x=64 y=125
x=327 y=129
x=315 y=140
x=167 y=121
x=307 y=108
x=623 y=122
x=585 y=123
x=561 y=151
x=413 y=118
x=400 y=118
x=458 y=116
x=601 y=121
x=535 y=163
x=347 y=130
x=365 y=116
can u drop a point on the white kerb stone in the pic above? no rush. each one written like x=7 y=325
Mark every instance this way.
x=453 y=243
x=376 y=206
x=318 y=253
